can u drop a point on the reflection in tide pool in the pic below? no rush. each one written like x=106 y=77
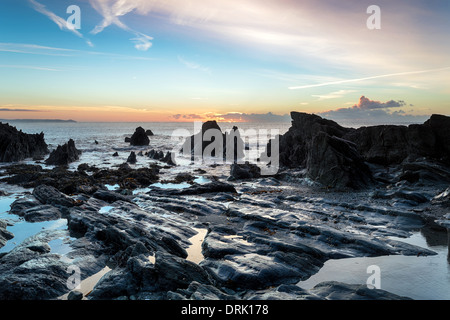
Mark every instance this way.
x=23 y=230
x=425 y=278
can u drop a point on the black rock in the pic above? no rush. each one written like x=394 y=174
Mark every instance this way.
x=16 y=145
x=115 y=154
x=42 y=213
x=389 y=144
x=316 y=144
x=244 y=171
x=63 y=155
x=204 y=143
x=149 y=132
x=75 y=295
x=139 y=138
x=110 y=196
x=132 y=158
x=50 y=195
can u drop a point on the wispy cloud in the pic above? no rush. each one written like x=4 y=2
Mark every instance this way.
x=34 y=49
x=334 y=95
x=60 y=22
x=19 y=110
x=111 y=11
x=251 y=117
x=193 y=65
x=29 y=67
x=187 y=116
x=366 y=78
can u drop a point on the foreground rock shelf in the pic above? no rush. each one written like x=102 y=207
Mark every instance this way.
x=261 y=241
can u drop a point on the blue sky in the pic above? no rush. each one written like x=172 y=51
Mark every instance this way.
x=152 y=60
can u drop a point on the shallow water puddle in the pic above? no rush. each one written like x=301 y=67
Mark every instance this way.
x=23 y=230
x=105 y=209
x=171 y=185
x=426 y=278
x=112 y=187
x=195 y=250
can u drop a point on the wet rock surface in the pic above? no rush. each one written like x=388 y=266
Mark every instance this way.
x=260 y=242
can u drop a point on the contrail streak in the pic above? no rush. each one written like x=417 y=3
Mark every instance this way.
x=366 y=78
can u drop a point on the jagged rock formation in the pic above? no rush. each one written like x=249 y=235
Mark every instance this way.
x=63 y=155
x=204 y=144
x=16 y=145
x=317 y=144
x=338 y=157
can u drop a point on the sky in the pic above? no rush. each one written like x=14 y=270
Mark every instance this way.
x=225 y=60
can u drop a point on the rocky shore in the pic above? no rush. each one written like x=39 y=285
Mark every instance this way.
x=340 y=193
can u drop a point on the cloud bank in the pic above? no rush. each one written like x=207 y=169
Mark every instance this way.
x=371 y=111
x=235 y=117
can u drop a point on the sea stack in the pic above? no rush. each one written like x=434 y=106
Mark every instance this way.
x=63 y=155
x=139 y=138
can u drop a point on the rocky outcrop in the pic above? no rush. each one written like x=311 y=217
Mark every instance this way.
x=63 y=155
x=16 y=145
x=387 y=145
x=160 y=156
x=317 y=145
x=139 y=138
x=338 y=157
x=132 y=158
x=73 y=182
x=50 y=195
x=204 y=144
x=244 y=171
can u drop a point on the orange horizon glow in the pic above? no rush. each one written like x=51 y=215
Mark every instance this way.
x=110 y=114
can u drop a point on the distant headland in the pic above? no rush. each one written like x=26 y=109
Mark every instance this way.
x=35 y=120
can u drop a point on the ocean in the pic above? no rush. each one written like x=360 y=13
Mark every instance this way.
x=110 y=137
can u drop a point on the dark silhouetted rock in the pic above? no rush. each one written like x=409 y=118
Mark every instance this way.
x=391 y=144
x=335 y=162
x=139 y=138
x=63 y=155
x=244 y=171
x=115 y=154
x=203 y=144
x=132 y=158
x=149 y=132
x=16 y=145
x=316 y=144
x=159 y=155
